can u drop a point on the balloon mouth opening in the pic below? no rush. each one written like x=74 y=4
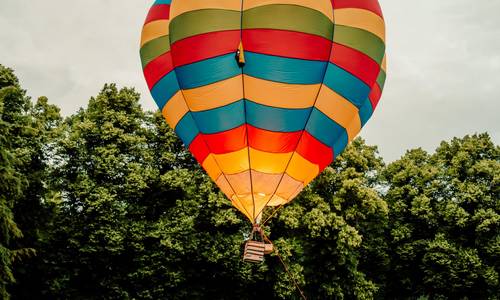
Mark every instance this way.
x=252 y=207
x=258 y=196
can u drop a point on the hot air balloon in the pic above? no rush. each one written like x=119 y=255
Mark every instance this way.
x=264 y=93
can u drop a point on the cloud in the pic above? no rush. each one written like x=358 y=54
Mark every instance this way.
x=443 y=69
x=67 y=50
x=443 y=57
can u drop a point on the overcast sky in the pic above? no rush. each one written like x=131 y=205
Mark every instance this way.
x=443 y=62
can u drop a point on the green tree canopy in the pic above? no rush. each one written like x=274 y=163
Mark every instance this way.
x=444 y=233
x=108 y=204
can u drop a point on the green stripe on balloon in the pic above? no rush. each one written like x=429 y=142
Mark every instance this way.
x=361 y=40
x=288 y=17
x=203 y=21
x=154 y=48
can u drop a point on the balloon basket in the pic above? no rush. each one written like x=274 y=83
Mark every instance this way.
x=256 y=248
x=254 y=252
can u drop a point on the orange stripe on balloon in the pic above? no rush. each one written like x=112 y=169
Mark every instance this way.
x=154 y=30
x=277 y=94
x=175 y=109
x=362 y=19
x=302 y=169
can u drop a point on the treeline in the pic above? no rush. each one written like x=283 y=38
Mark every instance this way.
x=107 y=204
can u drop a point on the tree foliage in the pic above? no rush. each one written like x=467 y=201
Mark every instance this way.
x=107 y=204
x=27 y=131
x=444 y=232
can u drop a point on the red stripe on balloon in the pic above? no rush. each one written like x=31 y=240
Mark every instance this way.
x=356 y=63
x=375 y=95
x=274 y=142
x=203 y=46
x=158 y=68
x=271 y=141
x=315 y=151
x=287 y=44
x=259 y=139
x=158 y=12
x=371 y=5
x=227 y=141
x=199 y=149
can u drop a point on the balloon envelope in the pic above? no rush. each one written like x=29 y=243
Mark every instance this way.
x=313 y=75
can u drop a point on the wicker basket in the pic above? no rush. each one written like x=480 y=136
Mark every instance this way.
x=254 y=251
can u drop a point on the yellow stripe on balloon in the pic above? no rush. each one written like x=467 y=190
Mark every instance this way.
x=154 y=30
x=215 y=95
x=179 y=7
x=281 y=95
x=323 y=6
x=175 y=109
x=233 y=162
x=340 y=110
x=301 y=169
x=211 y=167
x=361 y=18
x=266 y=162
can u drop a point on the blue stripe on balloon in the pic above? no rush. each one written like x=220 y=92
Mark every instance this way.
x=186 y=129
x=164 y=89
x=276 y=119
x=365 y=112
x=285 y=70
x=327 y=131
x=158 y=2
x=207 y=71
x=221 y=118
x=346 y=85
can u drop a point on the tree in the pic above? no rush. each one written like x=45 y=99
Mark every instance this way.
x=334 y=230
x=103 y=165
x=115 y=207
x=137 y=215
x=13 y=122
x=444 y=228
x=26 y=131
x=10 y=189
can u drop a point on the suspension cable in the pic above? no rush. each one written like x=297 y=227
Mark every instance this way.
x=285 y=266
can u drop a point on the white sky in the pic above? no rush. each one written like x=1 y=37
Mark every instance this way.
x=443 y=62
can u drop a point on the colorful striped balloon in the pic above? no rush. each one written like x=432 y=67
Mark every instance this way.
x=313 y=74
